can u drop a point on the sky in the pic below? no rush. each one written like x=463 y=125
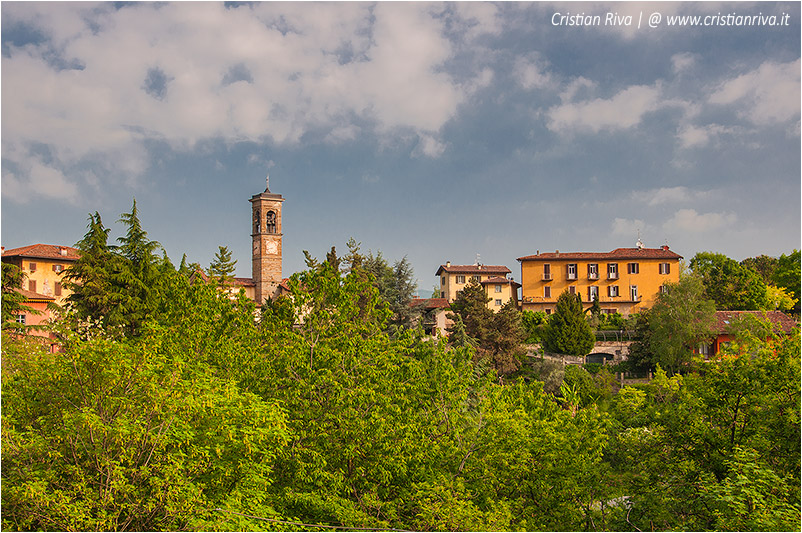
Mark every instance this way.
x=432 y=131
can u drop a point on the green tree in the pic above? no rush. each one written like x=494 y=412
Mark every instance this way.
x=222 y=267
x=641 y=358
x=534 y=322
x=729 y=284
x=788 y=276
x=681 y=318
x=567 y=331
x=764 y=265
x=499 y=336
x=118 y=435
x=779 y=299
x=92 y=277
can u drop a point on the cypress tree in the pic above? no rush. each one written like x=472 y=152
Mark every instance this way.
x=567 y=331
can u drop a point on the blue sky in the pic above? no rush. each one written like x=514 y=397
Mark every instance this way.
x=431 y=131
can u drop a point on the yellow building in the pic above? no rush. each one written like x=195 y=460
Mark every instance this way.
x=625 y=280
x=454 y=278
x=43 y=266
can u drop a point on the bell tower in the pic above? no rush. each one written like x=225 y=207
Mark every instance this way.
x=266 y=236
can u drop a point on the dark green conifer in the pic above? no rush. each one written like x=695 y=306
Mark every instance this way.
x=567 y=331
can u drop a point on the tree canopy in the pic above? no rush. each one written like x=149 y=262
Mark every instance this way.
x=567 y=331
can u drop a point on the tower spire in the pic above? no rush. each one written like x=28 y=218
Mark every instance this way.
x=267 y=183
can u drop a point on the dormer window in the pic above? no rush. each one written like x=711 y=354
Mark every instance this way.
x=270 y=222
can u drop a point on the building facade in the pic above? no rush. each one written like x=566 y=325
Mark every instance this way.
x=454 y=278
x=43 y=266
x=624 y=281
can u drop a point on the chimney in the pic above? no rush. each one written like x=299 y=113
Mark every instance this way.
x=448 y=264
x=665 y=247
x=557 y=253
x=63 y=251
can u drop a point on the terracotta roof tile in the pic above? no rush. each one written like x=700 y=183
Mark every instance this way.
x=473 y=269
x=618 y=253
x=429 y=303
x=44 y=251
x=725 y=318
x=32 y=296
x=498 y=280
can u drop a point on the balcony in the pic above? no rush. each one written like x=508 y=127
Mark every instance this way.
x=571 y=277
x=612 y=275
x=546 y=277
x=593 y=275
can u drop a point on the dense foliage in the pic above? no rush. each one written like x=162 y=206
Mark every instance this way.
x=497 y=336
x=208 y=415
x=567 y=331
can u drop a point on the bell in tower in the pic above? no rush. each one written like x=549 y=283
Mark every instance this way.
x=266 y=238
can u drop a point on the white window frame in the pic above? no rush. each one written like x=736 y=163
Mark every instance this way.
x=593 y=271
x=665 y=268
x=498 y=302
x=593 y=293
x=612 y=270
x=460 y=279
x=633 y=268
x=612 y=291
x=498 y=287
x=571 y=272
x=633 y=293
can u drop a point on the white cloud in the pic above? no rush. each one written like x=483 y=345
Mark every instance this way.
x=664 y=195
x=681 y=62
x=624 y=110
x=768 y=94
x=262 y=72
x=688 y=220
x=429 y=146
x=531 y=74
x=628 y=227
x=691 y=136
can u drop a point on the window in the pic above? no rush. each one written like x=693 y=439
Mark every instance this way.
x=612 y=270
x=571 y=290
x=632 y=268
x=498 y=302
x=21 y=319
x=612 y=291
x=548 y=311
x=665 y=268
x=593 y=271
x=32 y=285
x=633 y=293
x=442 y=280
x=461 y=279
x=593 y=293
x=57 y=289
x=663 y=289
x=270 y=222
x=257 y=222
x=572 y=271
x=547 y=292
x=32 y=267
x=498 y=288
x=546 y=272
x=58 y=268
x=476 y=278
